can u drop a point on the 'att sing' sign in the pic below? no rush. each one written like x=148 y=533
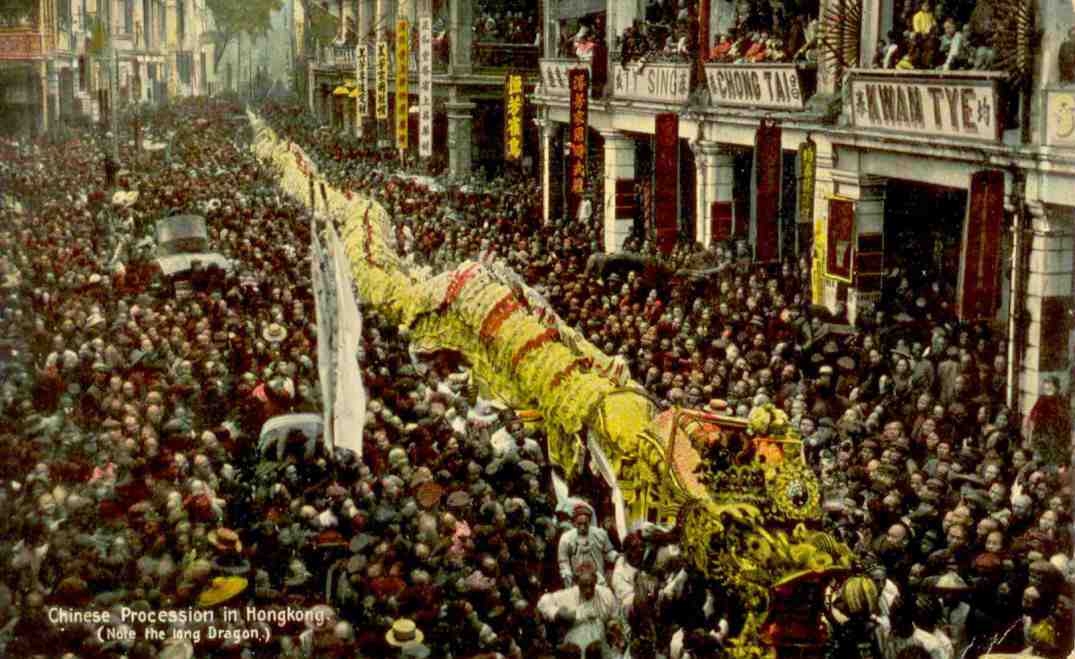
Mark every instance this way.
x=667 y=83
x=964 y=108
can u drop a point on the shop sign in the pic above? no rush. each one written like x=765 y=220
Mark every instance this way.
x=775 y=86
x=807 y=180
x=961 y=107
x=666 y=175
x=1060 y=118
x=662 y=83
x=403 y=62
x=381 y=92
x=838 y=243
x=425 y=85
x=513 y=116
x=579 y=80
x=554 y=75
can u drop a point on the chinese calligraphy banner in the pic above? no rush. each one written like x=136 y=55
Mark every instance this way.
x=513 y=117
x=403 y=60
x=425 y=84
x=979 y=292
x=666 y=175
x=362 y=72
x=839 y=240
x=807 y=180
x=382 y=80
x=579 y=81
x=768 y=159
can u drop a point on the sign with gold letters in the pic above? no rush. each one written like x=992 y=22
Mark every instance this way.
x=381 y=92
x=514 y=101
x=579 y=82
x=403 y=62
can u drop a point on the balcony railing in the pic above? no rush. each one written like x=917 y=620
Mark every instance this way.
x=505 y=56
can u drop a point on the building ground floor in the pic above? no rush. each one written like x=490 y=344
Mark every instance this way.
x=986 y=231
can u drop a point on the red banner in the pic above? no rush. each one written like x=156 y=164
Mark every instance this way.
x=579 y=84
x=722 y=217
x=979 y=294
x=666 y=177
x=768 y=158
x=841 y=233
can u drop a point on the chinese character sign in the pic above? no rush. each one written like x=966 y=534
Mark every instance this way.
x=425 y=86
x=362 y=71
x=403 y=60
x=382 y=80
x=579 y=84
x=513 y=116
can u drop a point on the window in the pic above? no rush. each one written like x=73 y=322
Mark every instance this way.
x=128 y=16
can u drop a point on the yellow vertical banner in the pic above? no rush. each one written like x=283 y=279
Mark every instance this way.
x=403 y=61
x=817 y=272
x=381 y=92
x=513 y=117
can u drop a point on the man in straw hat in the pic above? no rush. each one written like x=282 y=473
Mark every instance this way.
x=406 y=636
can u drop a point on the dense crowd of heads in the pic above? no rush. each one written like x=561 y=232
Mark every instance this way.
x=132 y=407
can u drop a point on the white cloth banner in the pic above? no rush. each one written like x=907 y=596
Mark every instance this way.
x=325 y=313
x=350 y=399
x=600 y=461
x=425 y=81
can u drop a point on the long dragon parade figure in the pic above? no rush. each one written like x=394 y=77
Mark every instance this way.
x=745 y=503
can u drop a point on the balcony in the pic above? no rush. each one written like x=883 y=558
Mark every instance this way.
x=496 y=57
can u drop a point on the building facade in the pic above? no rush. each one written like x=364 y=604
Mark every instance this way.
x=965 y=174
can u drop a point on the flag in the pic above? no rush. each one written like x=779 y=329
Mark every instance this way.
x=350 y=398
x=324 y=312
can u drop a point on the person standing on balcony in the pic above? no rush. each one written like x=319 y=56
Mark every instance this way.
x=924 y=21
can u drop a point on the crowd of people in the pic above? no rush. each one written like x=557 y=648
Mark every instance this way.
x=506 y=22
x=930 y=476
x=133 y=477
x=941 y=37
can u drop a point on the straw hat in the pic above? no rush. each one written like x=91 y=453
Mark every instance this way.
x=226 y=540
x=222 y=590
x=404 y=634
x=274 y=333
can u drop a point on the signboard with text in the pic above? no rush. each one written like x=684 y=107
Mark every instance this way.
x=1060 y=118
x=362 y=72
x=381 y=96
x=403 y=63
x=773 y=86
x=513 y=116
x=579 y=81
x=953 y=106
x=554 y=74
x=662 y=83
x=425 y=85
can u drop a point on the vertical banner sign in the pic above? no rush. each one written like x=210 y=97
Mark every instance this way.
x=839 y=241
x=513 y=117
x=579 y=81
x=767 y=183
x=666 y=175
x=382 y=80
x=403 y=64
x=807 y=179
x=979 y=274
x=425 y=83
x=362 y=72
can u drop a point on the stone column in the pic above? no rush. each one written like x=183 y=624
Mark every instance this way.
x=172 y=47
x=552 y=171
x=53 y=73
x=714 y=179
x=619 y=164
x=43 y=90
x=460 y=120
x=461 y=31
x=1046 y=344
x=310 y=81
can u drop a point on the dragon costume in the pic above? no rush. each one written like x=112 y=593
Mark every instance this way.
x=743 y=498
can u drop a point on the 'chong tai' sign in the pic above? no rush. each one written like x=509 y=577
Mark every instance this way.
x=959 y=107
x=777 y=86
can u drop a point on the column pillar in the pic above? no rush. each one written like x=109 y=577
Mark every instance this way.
x=1046 y=345
x=172 y=47
x=461 y=29
x=824 y=291
x=552 y=171
x=43 y=90
x=619 y=164
x=53 y=73
x=715 y=178
x=460 y=122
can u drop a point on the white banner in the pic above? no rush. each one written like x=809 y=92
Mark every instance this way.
x=600 y=461
x=350 y=398
x=664 y=83
x=324 y=314
x=957 y=107
x=776 y=86
x=362 y=72
x=425 y=83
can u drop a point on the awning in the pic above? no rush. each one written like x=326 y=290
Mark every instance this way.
x=578 y=8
